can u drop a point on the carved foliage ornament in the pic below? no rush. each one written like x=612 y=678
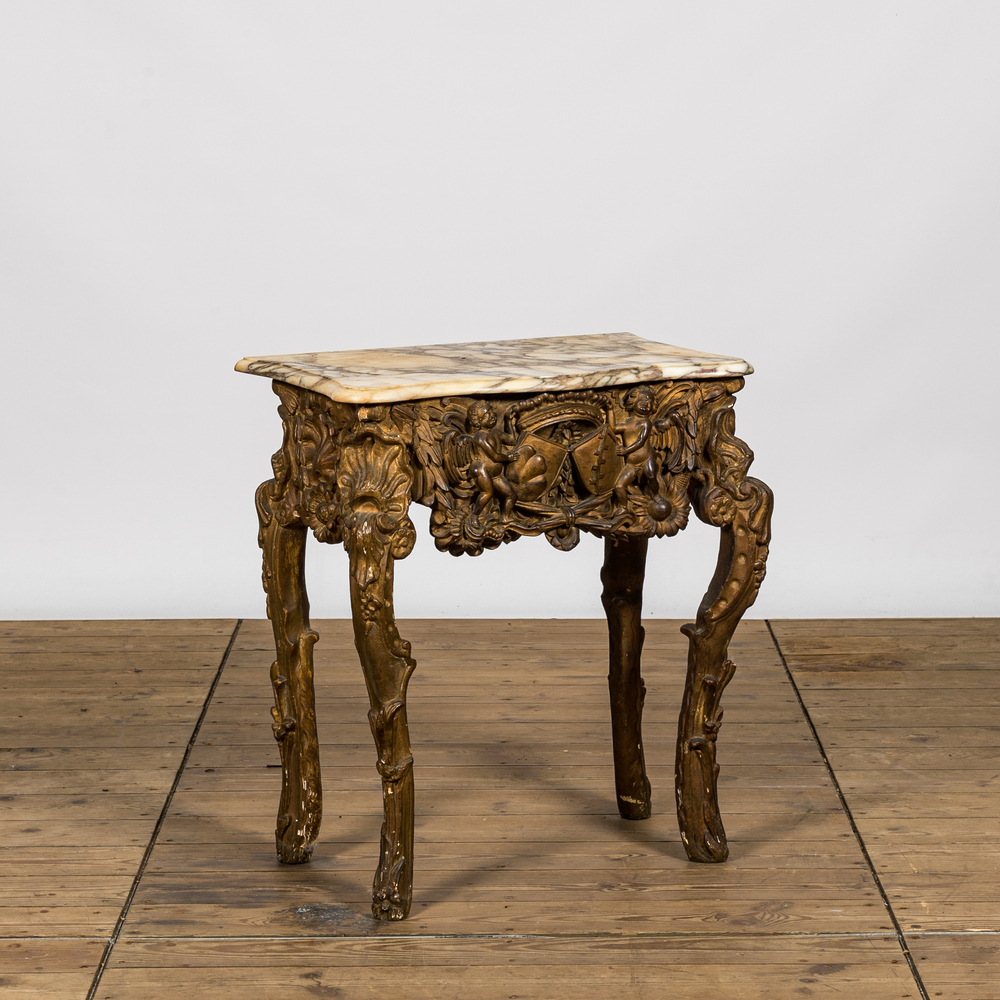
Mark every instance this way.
x=622 y=462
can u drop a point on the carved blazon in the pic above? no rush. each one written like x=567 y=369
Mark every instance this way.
x=539 y=461
x=593 y=449
x=596 y=460
x=536 y=466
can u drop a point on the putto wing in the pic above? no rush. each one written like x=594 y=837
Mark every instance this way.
x=430 y=485
x=458 y=449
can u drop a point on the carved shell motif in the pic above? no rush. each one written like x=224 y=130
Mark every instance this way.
x=373 y=496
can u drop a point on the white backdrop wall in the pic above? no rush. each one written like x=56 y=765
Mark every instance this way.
x=811 y=186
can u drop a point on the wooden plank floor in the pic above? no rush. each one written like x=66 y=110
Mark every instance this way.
x=97 y=717
x=140 y=781
x=908 y=713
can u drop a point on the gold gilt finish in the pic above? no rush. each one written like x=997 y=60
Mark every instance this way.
x=626 y=463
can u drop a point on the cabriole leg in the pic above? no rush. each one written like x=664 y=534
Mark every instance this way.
x=622 y=576
x=294 y=712
x=374 y=477
x=742 y=554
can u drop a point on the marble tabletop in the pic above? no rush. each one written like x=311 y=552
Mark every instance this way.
x=541 y=364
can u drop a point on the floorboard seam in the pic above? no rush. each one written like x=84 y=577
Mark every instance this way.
x=546 y=936
x=126 y=906
x=900 y=937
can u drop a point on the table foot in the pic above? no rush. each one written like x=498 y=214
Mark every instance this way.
x=392 y=888
x=300 y=810
x=622 y=575
x=741 y=507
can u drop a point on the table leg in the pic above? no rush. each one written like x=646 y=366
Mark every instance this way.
x=294 y=712
x=374 y=477
x=387 y=666
x=622 y=575
x=745 y=523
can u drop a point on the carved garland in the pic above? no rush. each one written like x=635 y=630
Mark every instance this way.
x=621 y=462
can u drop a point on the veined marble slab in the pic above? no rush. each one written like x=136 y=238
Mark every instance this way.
x=542 y=364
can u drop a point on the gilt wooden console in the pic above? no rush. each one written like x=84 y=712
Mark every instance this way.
x=610 y=434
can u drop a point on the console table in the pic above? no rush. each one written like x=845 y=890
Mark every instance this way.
x=611 y=434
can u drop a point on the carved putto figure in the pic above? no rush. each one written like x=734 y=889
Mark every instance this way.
x=481 y=456
x=489 y=458
x=637 y=442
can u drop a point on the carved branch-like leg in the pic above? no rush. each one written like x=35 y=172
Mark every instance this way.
x=622 y=576
x=733 y=589
x=387 y=666
x=294 y=712
x=741 y=507
x=375 y=479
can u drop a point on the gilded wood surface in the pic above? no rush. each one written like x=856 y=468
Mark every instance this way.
x=625 y=463
x=622 y=575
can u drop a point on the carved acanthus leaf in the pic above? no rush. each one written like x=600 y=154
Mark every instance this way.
x=305 y=467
